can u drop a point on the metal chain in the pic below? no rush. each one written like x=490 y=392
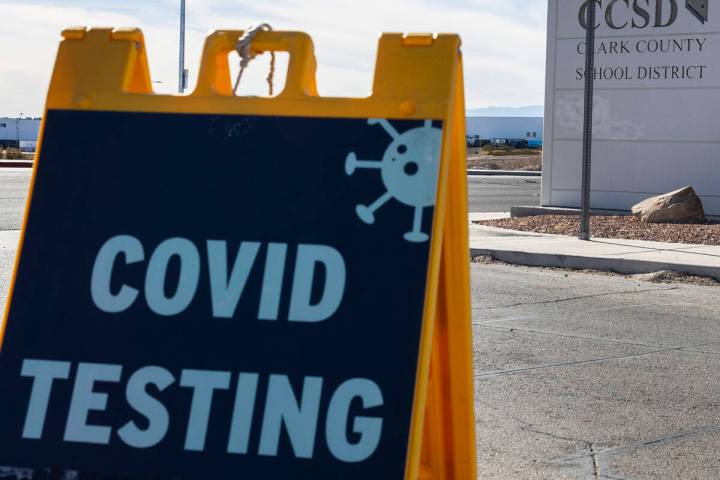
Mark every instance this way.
x=243 y=49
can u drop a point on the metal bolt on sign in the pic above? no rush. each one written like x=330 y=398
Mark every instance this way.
x=587 y=122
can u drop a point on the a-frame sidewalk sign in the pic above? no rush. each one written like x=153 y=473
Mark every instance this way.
x=212 y=286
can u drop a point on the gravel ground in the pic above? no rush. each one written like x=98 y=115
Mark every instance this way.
x=626 y=227
x=512 y=162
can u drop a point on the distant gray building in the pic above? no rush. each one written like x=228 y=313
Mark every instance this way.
x=19 y=133
x=507 y=129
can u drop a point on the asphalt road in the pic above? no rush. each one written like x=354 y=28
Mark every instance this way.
x=485 y=194
x=498 y=194
x=14 y=184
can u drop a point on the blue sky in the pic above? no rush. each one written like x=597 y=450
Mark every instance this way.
x=503 y=41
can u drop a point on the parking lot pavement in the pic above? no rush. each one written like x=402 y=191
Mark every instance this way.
x=584 y=376
x=589 y=376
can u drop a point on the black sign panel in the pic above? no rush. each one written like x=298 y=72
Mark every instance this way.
x=214 y=296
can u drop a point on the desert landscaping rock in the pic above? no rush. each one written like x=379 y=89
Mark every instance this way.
x=682 y=205
x=668 y=276
x=626 y=227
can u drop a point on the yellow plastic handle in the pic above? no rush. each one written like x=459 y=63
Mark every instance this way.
x=214 y=76
x=107 y=69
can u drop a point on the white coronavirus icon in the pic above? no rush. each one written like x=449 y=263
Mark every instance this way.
x=409 y=169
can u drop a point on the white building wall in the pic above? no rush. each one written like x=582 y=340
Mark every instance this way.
x=515 y=128
x=28 y=129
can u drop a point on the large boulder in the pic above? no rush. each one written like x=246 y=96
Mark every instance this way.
x=680 y=206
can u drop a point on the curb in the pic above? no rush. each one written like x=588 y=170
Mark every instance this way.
x=536 y=211
x=16 y=163
x=504 y=173
x=619 y=265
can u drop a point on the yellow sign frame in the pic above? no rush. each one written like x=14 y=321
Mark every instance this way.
x=417 y=76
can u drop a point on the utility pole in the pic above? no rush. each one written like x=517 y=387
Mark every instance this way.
x=17 y=129
x=181 y=67
x=587 y=121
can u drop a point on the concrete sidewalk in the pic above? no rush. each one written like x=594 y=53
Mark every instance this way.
x=622 y=256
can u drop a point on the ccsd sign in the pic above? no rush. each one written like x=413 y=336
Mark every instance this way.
x=640 y=14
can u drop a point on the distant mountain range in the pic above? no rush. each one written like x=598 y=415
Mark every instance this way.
x=528 y=111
